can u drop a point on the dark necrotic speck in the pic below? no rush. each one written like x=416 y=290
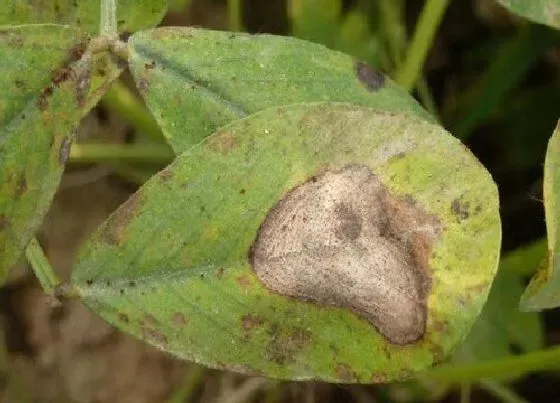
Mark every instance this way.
x=372 y=79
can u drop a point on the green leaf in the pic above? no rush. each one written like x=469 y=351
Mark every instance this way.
x=46 y=86
x=132 y=15
x=316 y=20
x=501 y=325
x=183 y=264
x=540 y=11
x=544 y=290
x=195 y=81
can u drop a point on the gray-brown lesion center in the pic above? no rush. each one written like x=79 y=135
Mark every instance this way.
x=341 y=239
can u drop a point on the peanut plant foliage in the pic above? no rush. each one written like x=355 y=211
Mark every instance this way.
x=39 y=108
x=316 y=223
x=49 y=81
x=544 y=290
x=195 y=81
x=173 y=265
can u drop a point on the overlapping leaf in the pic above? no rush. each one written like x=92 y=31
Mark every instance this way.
x=541 y=11
x=196 y=80
x=132 y=15
x=544 y=290
x=45 y=88
x=172 y=267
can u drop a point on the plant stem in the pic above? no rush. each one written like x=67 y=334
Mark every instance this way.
x=41 y=267
x=503 y=368
x=142 y=153
x=234 y=15
x=424 y=33
x=465 y=392
x=502 y=392
x=192 y=381
x=108 y=20
x=391 y=13
x=122 y=101
x=426 y=97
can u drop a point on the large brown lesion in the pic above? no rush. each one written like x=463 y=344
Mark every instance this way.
x=343 y=239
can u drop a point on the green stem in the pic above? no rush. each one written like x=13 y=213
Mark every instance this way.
x=122 y=101
x=393 y=29
x=103 y=153
x=426 y=98
x=133 y=173
x=424 y=33
x=465 y=392
x=192 y=381
x=41 y=267
x=234 y=15
x=501 y=392
x=508 y=367
x=108 y=20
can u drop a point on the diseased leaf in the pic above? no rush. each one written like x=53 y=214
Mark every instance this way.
x=312 y=241
x=46 y=86
x=544 y=290
x=541 y=11
x=132 y=15
x=196 y=80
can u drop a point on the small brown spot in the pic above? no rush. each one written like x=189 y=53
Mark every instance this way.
x=379 y=377
x=61 y=75
x=249 y=322
x=285 y=344
x=372 y=79
x=460 y=209
x=166 y=175
x=342 y=239
x=115 y=230
x=21 y=186
x=222 y=142
x=345 y=374
x=89 y=282
x=154 y=336
x=3 y=222
x=242 y=191
x=150 y=320
x=42 y=101
x=437 y=353
x=151 y=65
x=179 y=319
x=124 y=318
x=132 y=283
x=19 y=84
x=78 y=50
x=125 y=35
x=244 y=281
x=64 y=150
x=142 y=84
x=220 y=272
